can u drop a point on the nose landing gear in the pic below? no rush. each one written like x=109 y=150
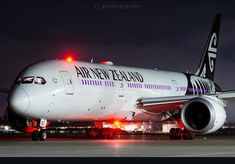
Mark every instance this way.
x=40 y=133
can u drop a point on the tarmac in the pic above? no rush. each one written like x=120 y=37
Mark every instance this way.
x=19 y=145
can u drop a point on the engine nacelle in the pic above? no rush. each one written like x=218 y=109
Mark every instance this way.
x=204 y=114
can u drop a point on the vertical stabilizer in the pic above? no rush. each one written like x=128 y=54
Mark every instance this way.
x=206 y=66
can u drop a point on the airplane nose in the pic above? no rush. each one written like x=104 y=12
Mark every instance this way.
x=19 y=101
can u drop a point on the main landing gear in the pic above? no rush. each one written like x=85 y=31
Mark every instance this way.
x=177 y=134
x=40 y=133
x=105 y=133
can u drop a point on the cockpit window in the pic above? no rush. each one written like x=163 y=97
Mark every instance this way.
x=27 y=80
x=40 y=80
x=30 y=79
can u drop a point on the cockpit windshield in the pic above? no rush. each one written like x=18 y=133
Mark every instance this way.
x=27 y=80
x=39 y=80
x=30 y=79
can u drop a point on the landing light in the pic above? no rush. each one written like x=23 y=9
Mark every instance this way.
x=6 y=127
x=117 y=123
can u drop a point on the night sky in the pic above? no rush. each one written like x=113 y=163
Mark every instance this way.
x=168 y=35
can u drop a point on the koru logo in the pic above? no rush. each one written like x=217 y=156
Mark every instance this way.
x=212 y=51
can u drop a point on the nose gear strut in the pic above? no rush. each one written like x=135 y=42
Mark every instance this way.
x=40 y=133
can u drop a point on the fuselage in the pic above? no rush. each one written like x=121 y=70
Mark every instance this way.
x=80 y=91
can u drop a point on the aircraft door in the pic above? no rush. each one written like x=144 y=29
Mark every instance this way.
x=175 y=86
x=68 y=84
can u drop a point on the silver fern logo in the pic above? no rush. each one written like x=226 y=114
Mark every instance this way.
x=212 y=51
x=201 y=86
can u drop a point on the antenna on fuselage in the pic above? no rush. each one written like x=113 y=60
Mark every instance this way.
x=91 y=60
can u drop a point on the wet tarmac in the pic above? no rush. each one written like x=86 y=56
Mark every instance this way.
x=19 y=145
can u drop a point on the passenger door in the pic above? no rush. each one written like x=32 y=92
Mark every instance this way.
x=68 y=84
x=175 y=87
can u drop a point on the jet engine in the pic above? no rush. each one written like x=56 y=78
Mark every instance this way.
x=205 y=114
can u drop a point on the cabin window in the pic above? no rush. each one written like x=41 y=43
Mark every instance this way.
x=27 y=80
x=40 y=80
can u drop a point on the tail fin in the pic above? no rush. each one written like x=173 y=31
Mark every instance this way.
x=206 y=66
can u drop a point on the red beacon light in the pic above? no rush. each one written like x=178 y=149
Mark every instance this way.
x=69 y=59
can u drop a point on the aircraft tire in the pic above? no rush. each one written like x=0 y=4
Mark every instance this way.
x=178 y=134
x=175 y=134
x=106 y=133
x=188 y=135
x=42 y=135
x=92 y=133
x=110 y=133
x=35 y=136
x=172 y=134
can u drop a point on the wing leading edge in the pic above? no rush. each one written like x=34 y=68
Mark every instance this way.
x=162 y=104
x=227 y=96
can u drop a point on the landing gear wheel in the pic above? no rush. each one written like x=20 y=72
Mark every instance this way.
x=110 y=133
x=42 y=135
x=35 y=136
x=178 y=133
x=175 y=134
x=106 y=133
x=92 y=133
x=188 y=135
x=172 y=133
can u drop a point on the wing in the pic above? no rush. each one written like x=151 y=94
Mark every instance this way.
x=162 y=104
x=227 y=96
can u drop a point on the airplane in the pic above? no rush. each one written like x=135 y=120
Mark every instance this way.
x=72 y=90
